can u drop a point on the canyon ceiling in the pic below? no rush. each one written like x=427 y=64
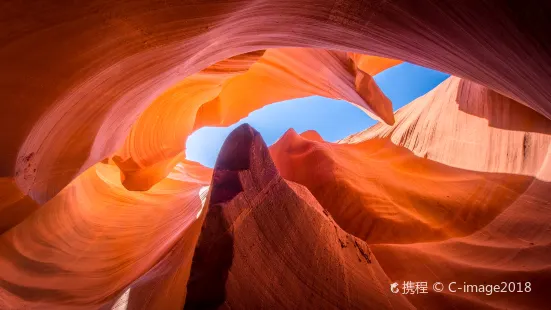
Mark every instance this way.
x=99 y=209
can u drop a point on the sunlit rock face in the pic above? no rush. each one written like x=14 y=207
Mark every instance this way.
x=215 y=95
x=100 y=210
x=438 y=201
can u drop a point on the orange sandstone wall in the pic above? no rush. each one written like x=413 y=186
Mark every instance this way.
x=76 y=77
x=457 y=190
x=215 y=96
x=98 y=208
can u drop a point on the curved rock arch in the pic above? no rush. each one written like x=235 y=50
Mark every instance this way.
x=96 y=67
x=76 y=79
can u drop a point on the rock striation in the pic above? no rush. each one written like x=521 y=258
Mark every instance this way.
x=455 y=191
x=267 y=243
x=100 y=210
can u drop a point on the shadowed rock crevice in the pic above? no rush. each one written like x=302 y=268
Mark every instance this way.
x=211 y=262
x=500 y=111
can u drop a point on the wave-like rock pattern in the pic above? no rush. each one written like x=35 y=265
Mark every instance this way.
x=215 y=96
x=74 y=82
x=462 y=117
x=99 y=210
x=483 y=218
x=96 y=239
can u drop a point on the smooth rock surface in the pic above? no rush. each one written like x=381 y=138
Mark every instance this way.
x=99 y=209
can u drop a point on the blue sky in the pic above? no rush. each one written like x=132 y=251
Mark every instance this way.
x=332 y=119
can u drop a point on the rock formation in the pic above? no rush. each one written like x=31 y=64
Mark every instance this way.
x=455 y=191
x=99 y=208
x=266 y=243
x=215 y=95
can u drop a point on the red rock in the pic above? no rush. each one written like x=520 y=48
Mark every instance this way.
x=482 y=218
x=99 y=208
x=73 y=86
x=267 y=243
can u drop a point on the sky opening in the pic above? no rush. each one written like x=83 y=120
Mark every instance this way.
x=332 y=119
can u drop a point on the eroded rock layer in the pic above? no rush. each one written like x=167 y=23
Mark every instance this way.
x=99 y=209
x=96 y=239
x=493 y=149
x=75 y=78
x=215 y=97
x=483 y=218
x=267 y=243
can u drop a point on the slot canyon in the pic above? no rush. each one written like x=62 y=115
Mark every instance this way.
x=101 y=209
